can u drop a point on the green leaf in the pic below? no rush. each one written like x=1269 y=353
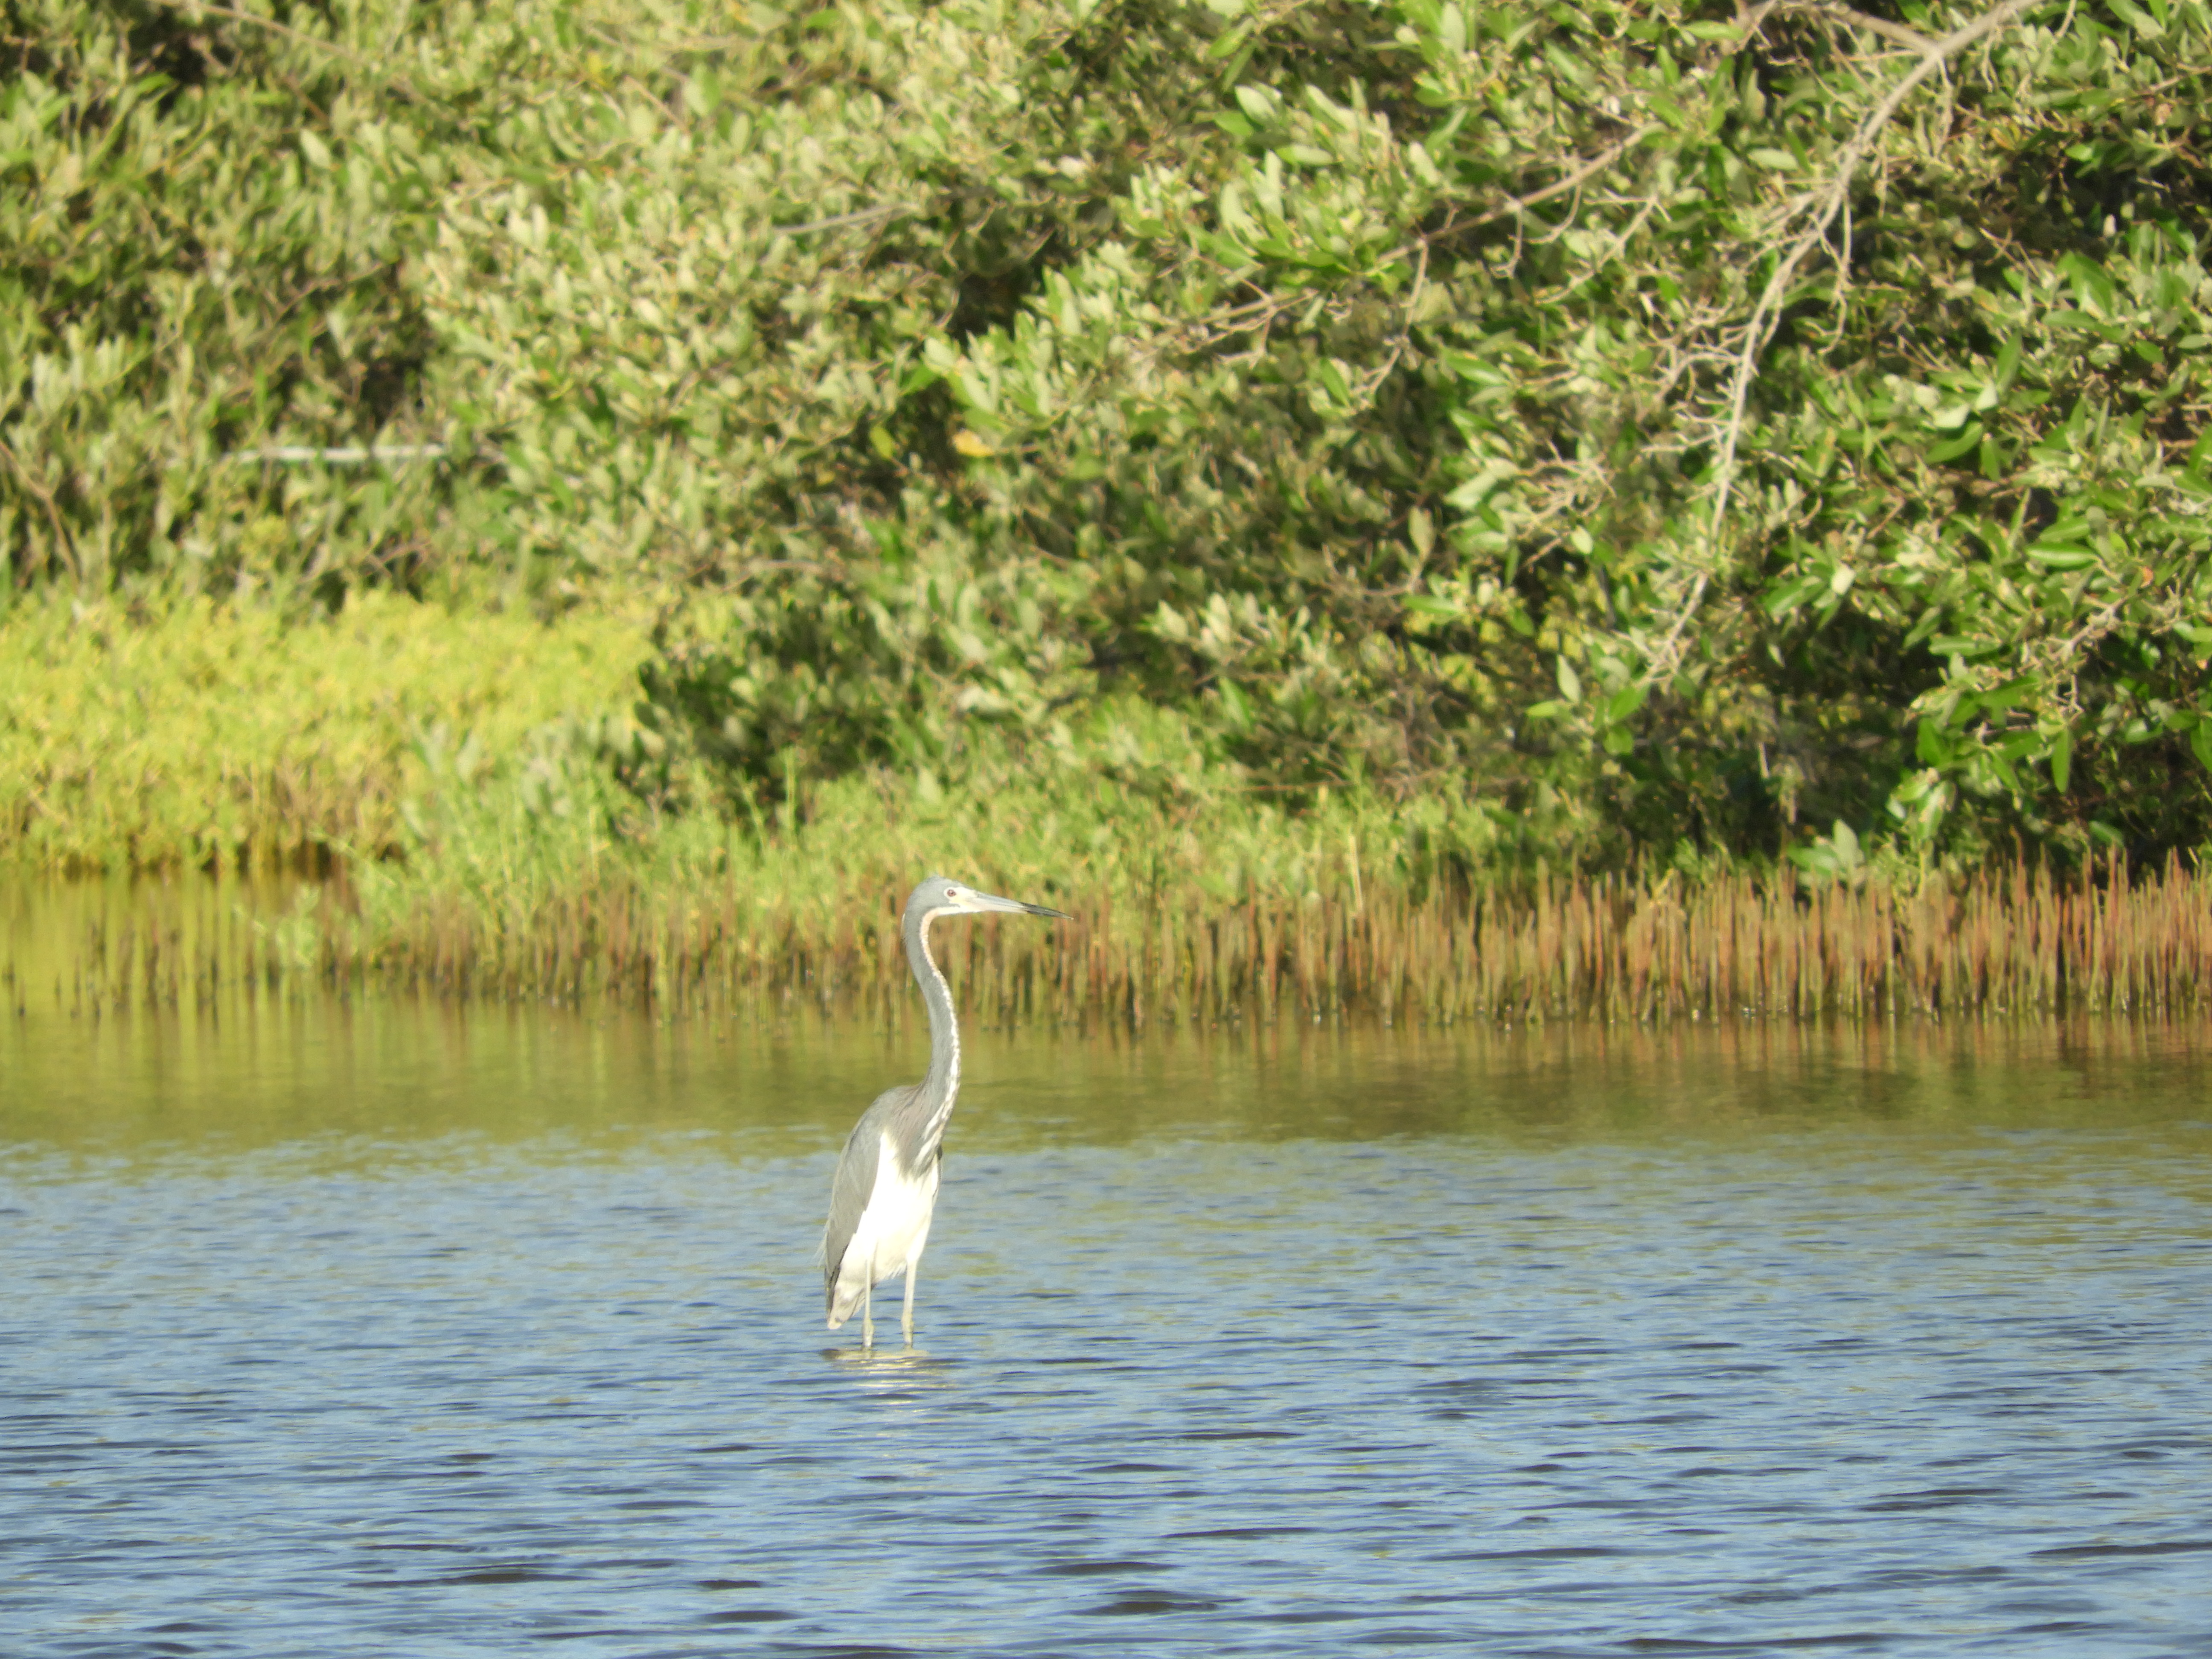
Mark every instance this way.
x=1236 y=706
x=1951 y=448
x=2143 y=23
x=1785 y=596
x=1258 y=104
x=2200 y=741
x=2009 y=362
x=2094 y=289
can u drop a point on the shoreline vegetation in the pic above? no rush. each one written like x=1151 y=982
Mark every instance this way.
x=1434 y=510
x=513 y=864
x=1157 y=947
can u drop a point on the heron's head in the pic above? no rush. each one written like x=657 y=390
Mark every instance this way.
x=940 y=895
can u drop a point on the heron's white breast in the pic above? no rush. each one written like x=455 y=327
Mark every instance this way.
x=896 y=1223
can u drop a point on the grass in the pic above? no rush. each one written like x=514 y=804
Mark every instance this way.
x=1171 y=947
x=1155 y=944
x=444 y=774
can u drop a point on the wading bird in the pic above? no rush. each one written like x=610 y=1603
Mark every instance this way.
x=885 y=1187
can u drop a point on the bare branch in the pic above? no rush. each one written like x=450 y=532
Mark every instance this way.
x=45 y=497
x=295 y=454
x=1514 y=206
x=1910 y=39
x=872 y=215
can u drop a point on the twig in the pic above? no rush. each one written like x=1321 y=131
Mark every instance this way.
x=45 y=499
x=1406 y=328
x=1910 y=39
x=296 y=453
x=865 y=215
x=1514 y=206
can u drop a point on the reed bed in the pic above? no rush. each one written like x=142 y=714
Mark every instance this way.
x=1632 y=948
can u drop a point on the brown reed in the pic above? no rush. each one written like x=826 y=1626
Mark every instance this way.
x=2024 y=939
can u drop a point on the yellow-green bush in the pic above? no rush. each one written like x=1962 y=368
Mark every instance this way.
x=226 y=735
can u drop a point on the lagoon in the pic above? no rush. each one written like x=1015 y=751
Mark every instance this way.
x=382 y=1326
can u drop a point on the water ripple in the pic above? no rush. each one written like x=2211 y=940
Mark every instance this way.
x=1929 y=1391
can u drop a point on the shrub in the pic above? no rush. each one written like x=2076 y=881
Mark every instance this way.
x=1663 y=424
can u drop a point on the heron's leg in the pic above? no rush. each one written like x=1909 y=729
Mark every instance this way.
x=868 y=1305
x=913 y=1272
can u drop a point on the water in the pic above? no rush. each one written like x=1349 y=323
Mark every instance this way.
x=386 y=1330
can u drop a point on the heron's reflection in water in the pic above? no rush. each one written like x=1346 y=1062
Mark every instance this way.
x=902 y=1364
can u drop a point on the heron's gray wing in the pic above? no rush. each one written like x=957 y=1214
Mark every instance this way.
x=851 y=1188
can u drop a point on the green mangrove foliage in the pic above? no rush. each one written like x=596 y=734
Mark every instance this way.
x=1640 y=425
x=202 y=246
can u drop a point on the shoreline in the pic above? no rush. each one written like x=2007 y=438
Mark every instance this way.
x=1608 y=951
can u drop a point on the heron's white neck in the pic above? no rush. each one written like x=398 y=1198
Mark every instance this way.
x=944 y=1080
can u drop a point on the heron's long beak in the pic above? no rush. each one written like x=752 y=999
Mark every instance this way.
x=993 y=902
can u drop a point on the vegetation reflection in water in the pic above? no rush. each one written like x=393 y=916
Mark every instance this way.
x=356 y=1075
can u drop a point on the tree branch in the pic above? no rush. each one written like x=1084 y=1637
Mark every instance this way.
x=1826 y=205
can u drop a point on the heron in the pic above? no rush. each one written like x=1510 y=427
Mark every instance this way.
x=885 y=1188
